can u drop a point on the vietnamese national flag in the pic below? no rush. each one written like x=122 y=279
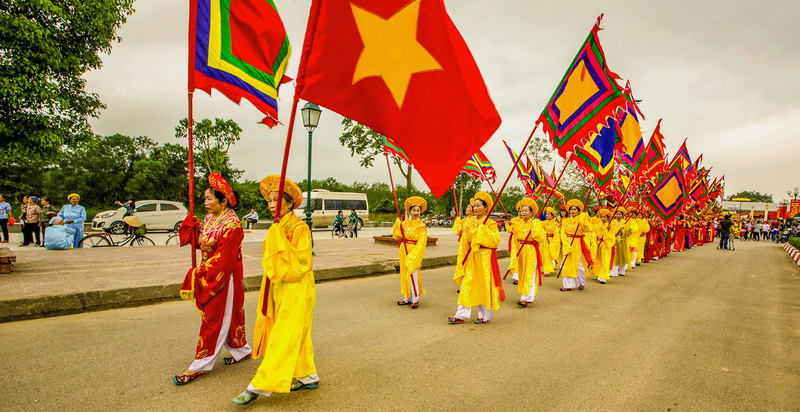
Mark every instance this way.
x=401 y=68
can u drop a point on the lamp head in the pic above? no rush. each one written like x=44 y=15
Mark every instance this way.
x=311 y=114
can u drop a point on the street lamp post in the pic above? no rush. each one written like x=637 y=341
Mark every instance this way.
x=311 y=114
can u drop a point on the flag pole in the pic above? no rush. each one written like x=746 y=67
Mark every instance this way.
x=396 y=205
x=190 y=129
x=455 y=200
x=493 y=192
x=190 y=119
x=285 y=164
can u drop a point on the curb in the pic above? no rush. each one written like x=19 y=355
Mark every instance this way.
x=12 y=310
x=794 y=254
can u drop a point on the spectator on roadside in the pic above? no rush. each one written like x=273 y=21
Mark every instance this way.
x=59 y=237
x=353 y=222
x=251 y=217
x=725 y=232
x=755 y=230
x=5 y=208
x=31 y=228
x=338 y=222
x=74 y=216
x=48 y=212
x=130 y=207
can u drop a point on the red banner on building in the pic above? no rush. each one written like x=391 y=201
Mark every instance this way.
x=794 y=208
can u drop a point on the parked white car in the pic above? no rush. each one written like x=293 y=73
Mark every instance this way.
x=155 y=214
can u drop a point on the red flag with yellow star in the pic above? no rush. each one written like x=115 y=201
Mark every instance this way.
x=401 y=68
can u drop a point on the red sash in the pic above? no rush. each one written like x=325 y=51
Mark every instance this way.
x=539 y=261
x=498 y=282
x=587 y=256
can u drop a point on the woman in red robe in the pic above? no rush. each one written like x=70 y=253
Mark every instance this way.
x=216 y=286
x=680 y=234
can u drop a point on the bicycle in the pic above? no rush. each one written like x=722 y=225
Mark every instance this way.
x=344 y=233
x=174 y=239
x=132 y=238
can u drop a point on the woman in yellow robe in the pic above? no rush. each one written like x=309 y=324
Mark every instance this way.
x=509 y=226
x=413 y=239
x=480 y=281
x=633 y=239
x=527 y=242
x=286 y=302
x=622 y=252
x=552 y=252
x=575 y=232
x=605 y=235
x=644 y=229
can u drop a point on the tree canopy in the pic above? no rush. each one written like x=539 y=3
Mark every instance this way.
x=46 y=46
x=752 y=195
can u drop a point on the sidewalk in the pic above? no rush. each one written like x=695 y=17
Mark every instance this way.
x=50 y=283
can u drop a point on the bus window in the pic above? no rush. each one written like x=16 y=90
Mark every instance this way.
x=331 y=204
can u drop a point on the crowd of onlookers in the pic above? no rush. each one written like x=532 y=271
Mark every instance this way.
x=40 y=222
x=764 y=229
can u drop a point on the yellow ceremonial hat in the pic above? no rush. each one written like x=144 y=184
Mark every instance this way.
x=73 y=195
x=551 y=211
x=272 y=183
x=604 y=212
x=416 y=201
x=526 y=201
x=472 y=201
x=575 y=202
x=487 y=198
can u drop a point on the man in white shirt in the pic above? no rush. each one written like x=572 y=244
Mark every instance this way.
x=251 y=217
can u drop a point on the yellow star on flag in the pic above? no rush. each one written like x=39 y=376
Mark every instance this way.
x=391 y=50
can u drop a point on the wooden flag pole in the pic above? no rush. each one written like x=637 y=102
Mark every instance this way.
x=190 y=130
x=555 y=184
x=397 y=205
x=286 y=157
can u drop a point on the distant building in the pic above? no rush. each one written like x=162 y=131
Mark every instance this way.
x=744 y=208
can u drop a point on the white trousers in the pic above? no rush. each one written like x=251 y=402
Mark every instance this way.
x=306 y=380
x=532 y=291
x=207 y=363
x=635 y=254
x=618 y=271
x=571 y=283
x=414 y=288
x=464 y=312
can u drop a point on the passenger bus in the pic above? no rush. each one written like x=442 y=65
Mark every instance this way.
x=325 y=205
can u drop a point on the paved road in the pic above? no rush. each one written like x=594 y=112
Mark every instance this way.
x=701 y=330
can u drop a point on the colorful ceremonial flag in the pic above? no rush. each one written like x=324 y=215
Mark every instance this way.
x=596 y=157
x=654 y=156
x=485 y=165
x=630 y=150
x=389 y=146
x=586 y=95
x=631 y=101
x=472 y=169
x=681 y=158
x=241 y=49
x=524 y=173
x=668 y=197
x=548 y=183
x=400 y=67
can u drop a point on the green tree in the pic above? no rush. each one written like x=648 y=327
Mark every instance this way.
x=46 y=46
x=367 y=143
x=540 y=149
x=162 y=175
x=752 y=195
x=212 y=142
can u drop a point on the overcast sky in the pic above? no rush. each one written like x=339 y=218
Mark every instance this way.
x=725 y=74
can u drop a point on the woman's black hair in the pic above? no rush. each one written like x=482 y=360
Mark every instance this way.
x=576 y=207
x=221 y=196
x=482 y=201
x=46 y=199
x=530 y=209
x=412 y=208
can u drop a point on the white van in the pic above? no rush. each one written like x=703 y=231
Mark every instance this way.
x=325 y=205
